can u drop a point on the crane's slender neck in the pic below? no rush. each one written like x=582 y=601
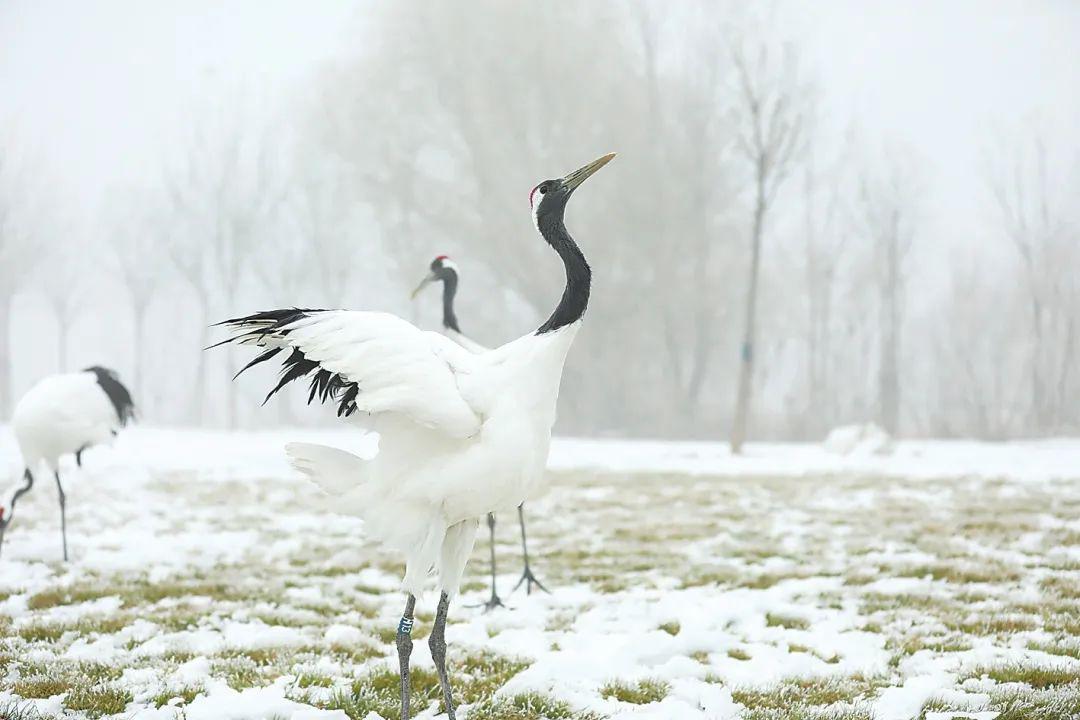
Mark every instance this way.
x=575 y=297
x=449 y=319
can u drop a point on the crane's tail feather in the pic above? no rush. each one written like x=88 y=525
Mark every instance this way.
x=335 y=471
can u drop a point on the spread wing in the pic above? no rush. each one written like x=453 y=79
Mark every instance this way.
x=370 y=362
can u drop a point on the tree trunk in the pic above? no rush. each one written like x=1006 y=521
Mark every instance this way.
x=198 y=392
x=746 y=361
x=889 y=388
x=138 y=317
x=5 y=356
x=231 y=398
x=827 y=413
x=1037 y=400
x=813 y=293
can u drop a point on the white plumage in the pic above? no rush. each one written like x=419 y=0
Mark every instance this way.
x=66 y=414
x=461 y=434
x=61 y=415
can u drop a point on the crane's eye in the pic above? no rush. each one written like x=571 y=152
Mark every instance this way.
x=543 y=188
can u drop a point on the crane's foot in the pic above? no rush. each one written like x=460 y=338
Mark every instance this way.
x=493 y=602
x=528 y=579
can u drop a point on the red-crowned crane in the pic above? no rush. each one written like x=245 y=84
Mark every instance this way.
x=461 y=434
x=444 y=270
x=66 y=414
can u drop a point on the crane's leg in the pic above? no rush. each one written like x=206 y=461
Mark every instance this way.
x=495 y=601
x=63 y=512
x=404 y=650
x=527 y=576
x=5 y=521
x=437 y=643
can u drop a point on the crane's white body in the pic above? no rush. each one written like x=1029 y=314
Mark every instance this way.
x=62 y=414
x=464 y=341
x=461 y=434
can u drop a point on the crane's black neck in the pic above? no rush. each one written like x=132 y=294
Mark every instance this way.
x=449 y=289
x=575 y=297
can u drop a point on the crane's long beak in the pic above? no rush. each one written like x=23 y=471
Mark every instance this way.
x=423 y=284
x=577 y=177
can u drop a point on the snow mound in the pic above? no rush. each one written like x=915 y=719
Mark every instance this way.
x=862 y=439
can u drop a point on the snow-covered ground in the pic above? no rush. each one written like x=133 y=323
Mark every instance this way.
x=792 y=582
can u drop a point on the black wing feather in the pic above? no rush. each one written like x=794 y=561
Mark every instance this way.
x=118 y=394
x=325 y=384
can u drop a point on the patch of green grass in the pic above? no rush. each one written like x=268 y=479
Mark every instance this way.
x=42 y=632
x=239 y=672
x=40 y=686
x=786 y=621
x=177 y=620
x=178 y=657
x=701 y=577
x=148 y=593
x=478 y=675
x=962 y=573
x=1036 y=676
x=16 y=710
x=67 y=596
x=1063 y=587
x=261 y=657
x=1066 y=648
x=313 y=679
x=803 y=712
x=911 y=644
x=860 y=578
x=991 y=624
x=671 y=627
x=738 y=654
x=1056 y=704
x=359 y=653
x=96 y=672
x=764 y=581
x=1067 y=622
x=527 y=706
x=187 y=694
x=50 y=632
x=379 y=692
x=639 y=693
x=940 y=705
x=98 y=700
x=812 y=691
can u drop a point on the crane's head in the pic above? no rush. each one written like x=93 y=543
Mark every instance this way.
x=443 y=269
x=548 y=199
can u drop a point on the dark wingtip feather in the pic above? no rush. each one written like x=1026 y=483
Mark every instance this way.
x=116 y=392
x=261 y=357
x=325 y=384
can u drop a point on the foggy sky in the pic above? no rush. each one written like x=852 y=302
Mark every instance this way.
x=103 y=96
x=98 y=90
